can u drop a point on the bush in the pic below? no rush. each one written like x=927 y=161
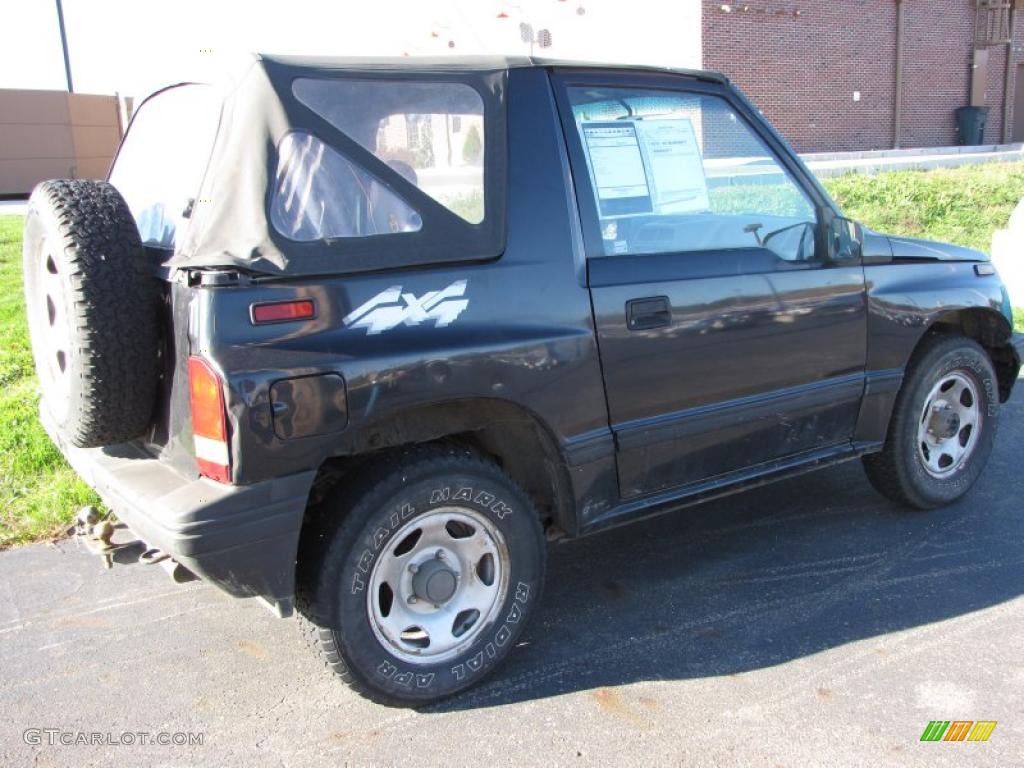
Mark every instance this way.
x=473 y=147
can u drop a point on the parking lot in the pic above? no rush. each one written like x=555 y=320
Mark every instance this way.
x=809 y=622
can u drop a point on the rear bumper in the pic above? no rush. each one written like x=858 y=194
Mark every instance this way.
x=244 y=538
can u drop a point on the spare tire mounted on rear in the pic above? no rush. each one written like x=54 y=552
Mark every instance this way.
x=93 y=312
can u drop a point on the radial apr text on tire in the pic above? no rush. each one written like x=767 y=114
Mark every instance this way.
x=427 y=581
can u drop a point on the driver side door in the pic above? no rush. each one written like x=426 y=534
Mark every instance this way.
x=729 y=340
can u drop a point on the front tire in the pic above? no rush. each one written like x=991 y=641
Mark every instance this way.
x=942 y=428
x=427 y=582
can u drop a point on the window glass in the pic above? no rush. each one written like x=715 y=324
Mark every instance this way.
x=318 y=194
x=160 y=165
x=434 y=130
x=683 y=172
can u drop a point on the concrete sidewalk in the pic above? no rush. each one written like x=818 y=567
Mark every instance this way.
x=825 y=164
x=13 y=207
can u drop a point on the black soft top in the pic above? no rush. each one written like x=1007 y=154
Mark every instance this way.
x=424 y=64
x=229 y=223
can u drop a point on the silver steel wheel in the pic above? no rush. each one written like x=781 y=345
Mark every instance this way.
x=950 y=424
x=440 y=582
x=53 y=326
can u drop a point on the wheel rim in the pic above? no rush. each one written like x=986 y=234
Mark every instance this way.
x=950 y=424
x=55 y=351
x=440 y=582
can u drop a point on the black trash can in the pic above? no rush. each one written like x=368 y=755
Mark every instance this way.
x=970 y=122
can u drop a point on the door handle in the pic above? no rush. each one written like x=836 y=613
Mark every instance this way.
x=644 y=314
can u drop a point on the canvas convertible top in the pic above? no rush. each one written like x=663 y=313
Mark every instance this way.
x=227 y=220
x=284 y=174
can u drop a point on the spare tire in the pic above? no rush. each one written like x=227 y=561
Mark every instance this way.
x=93 y=312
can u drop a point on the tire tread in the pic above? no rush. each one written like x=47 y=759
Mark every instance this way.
x=887 y=470
x=374 y=483
x=114 y=310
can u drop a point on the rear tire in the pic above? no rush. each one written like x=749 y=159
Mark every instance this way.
x=942 y=428
x=93 y=311
x=425 y=585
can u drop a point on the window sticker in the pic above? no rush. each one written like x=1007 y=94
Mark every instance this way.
x=617 y=165
x=646 y=166
x=708 y=180
x=678 y=184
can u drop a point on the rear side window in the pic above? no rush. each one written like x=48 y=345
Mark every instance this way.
x=432 y=133
x=319 y=194
x=161 y=162
x=675 y=172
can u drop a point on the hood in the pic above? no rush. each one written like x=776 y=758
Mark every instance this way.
x=913 y=248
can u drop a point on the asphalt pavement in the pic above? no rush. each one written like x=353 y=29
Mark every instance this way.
x=806 y=623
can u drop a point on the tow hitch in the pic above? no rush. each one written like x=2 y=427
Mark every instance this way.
x=97 y=531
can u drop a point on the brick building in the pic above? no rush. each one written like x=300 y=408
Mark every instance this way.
x=826 y=72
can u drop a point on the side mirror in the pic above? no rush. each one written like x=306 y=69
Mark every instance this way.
x=845 y=240
x=793 y=243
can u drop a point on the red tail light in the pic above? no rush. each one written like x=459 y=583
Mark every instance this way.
x=209 y=422
x=282 y=311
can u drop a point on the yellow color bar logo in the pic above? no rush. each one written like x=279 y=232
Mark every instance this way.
x=958 y=730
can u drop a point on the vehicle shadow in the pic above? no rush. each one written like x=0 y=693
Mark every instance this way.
x=762 y=578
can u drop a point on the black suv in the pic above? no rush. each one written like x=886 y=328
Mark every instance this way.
x=357 y=337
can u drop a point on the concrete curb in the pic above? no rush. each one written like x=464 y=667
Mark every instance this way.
x=826 y=164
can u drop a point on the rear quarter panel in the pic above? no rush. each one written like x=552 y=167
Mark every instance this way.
x=525 y=334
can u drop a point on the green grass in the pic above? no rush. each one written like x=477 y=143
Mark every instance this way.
x=781 y=199
x=39 y=493
x=469 y=206
x=956 y=205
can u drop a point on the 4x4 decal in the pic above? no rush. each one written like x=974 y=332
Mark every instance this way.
x=391 y=308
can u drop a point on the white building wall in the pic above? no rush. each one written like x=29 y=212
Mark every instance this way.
x=633 y=32
x=132 y=48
